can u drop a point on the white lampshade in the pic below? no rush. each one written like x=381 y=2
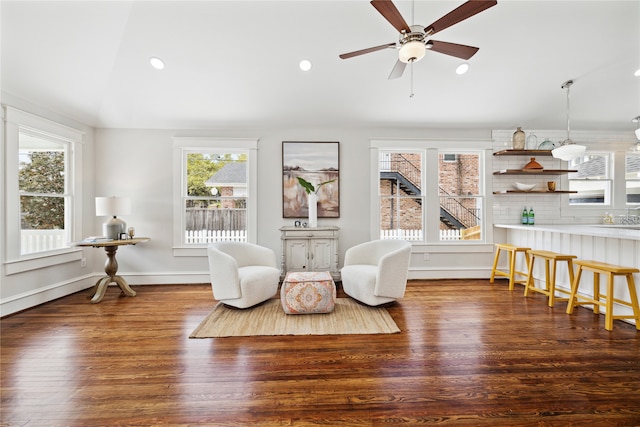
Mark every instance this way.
x=113 y=206
x=638 y=134
x=568 y=151
x=412 y=51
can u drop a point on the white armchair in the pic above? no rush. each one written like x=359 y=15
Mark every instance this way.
x=242 y=274
x=376 y=272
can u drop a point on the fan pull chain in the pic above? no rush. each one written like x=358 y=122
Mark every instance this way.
x=411 y=94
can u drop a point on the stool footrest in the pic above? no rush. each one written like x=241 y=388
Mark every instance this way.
x=547 y=292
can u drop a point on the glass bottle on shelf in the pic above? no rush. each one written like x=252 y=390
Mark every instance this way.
x=518 y=139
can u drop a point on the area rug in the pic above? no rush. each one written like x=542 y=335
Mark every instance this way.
x=348 y=317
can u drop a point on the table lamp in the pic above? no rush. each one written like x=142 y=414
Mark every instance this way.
x=113 y=206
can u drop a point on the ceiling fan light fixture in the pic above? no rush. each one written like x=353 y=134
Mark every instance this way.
x=412 y=51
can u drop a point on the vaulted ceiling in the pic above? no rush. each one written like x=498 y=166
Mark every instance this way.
x=235 y=64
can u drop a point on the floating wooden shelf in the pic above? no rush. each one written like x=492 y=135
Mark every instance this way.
x=511 y=152
x=533 y=171
x=534 y=192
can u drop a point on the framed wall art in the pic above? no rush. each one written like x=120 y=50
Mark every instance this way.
x=316 y=162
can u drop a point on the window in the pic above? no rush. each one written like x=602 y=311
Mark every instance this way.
x=460 y=196
x=592 y=181
x=215 y=199
x=430 y=196
x=632 y=179
x=44 y=194
x=401 y=197
x=215 y=182
x=43 y=164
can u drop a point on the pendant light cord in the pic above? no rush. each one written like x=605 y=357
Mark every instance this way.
x=568 y=113
x=567 y=85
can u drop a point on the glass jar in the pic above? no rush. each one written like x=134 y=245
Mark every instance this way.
x=518 y=139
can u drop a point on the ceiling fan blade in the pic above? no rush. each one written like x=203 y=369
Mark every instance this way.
x=461 y=13
x=391 y=14
x=368 y=50
x=398 y=69
x=453 y=49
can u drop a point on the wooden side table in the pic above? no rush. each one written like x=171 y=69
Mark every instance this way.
x=111 y=266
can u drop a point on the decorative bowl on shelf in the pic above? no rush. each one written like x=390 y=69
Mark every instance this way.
x=524 y=187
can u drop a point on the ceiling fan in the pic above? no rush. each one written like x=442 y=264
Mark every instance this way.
x=414 y=40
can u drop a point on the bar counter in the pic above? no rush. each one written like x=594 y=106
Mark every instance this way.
x=614 y=244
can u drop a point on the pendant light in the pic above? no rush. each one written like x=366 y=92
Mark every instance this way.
x=568 y=150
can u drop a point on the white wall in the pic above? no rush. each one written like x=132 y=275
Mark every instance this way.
x=138 y=163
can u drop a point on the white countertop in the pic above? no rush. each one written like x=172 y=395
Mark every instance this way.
x=631 y=232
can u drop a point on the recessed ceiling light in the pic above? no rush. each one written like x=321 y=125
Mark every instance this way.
x=156 y=63
x=637 y=73
x=462 y=68
x=305 y=65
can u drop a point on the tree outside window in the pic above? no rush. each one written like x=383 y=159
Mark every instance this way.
x=42 y=186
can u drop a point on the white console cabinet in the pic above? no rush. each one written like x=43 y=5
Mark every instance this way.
x=310 y=249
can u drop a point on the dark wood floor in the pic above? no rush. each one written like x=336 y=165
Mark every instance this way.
x=469 y=354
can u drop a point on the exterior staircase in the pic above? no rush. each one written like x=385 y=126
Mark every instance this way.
x=454 y=215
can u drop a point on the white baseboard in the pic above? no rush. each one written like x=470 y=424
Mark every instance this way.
x=25 y=300
x=425 y=273
x=46 y=293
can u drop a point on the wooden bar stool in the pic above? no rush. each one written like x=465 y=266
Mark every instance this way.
x=550 y=258
x=511 y=251
x=611 y=271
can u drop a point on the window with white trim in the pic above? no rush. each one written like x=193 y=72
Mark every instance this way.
x=428 y=196
x=44 y=192
x=461 y=195
x=632 y=179
x=215 y=180
x=42 y=159
x=401 y=195
x=592 y=181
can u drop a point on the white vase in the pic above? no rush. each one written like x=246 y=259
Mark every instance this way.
x=312 y=201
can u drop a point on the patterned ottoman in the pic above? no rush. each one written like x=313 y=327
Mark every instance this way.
x=306 y=292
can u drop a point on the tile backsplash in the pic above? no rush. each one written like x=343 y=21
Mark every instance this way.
x=507 y=208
